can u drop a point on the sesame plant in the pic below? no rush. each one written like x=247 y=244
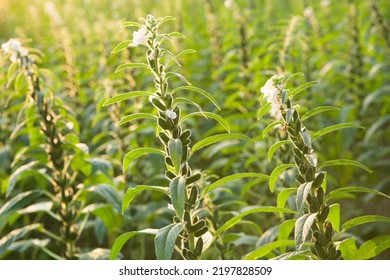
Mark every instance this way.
x=318 y=219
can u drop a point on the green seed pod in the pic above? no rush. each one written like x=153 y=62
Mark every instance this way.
x=187 y=219
x=170 y=125
x=157 y=103
x=168 y=100
x=161 y=123
x=302 y=169
x=320 y=251
x=193 y=178
x=184 y=153
x=199 y=225
x=176 y=132
x=324 y=214
x=300 y=179
x=201 y=232
x=328 y=231
x=318 y=180
x=291 y=130
x=310 y=173
x=169 y=175
x=168 y=161
x=309 y=199
x=195 y=219
x=199 y=247
x=184 y=169
x=164 y=138
x=184 y=253
x=316 y=234
x=314 y=227
x=186 y=142
x=185 y=135
x=190 y=255
x=313 y=208
x=177 y=111
x=298 y=125
x=322 y=240
x=332 y=253
x=193 y=195
x=176 y=219
x=320 y=195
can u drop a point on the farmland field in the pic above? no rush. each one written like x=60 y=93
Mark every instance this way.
x=194 y=129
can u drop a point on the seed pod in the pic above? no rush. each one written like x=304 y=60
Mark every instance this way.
x=184 y=169
x=309 y=199
x=302 y=169
x=198 y=226
x=199 y=247
x=170 y=125
x=195 y=219
x=291 y=130
x=164 y=138
x=190 y=255
x=320 y=251
x=187 y=142
x=176 y=219
x=187 y=219
x=169 y=175
x=320 y=195
x=314 y=227
x=313 y=208
x=329 y=231
x=185 y=135
x=298 y=125
x=177 y=111
x=310 y=173
x=193 y=195
x=300 y=179
x=176 y=132
x=184 y=153
x=161 y=122
x=184 y=252
x=322 y=240
x=316 y=234
x=168 y=161
x=318 y=180
x=168 y=100
x=187 y=206
x=157 y=103
x=324 y=214
x=297 y=152
x=332 y=253
x=193 y=178
x=201 y=232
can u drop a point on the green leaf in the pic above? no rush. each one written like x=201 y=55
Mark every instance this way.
x=302 y=194
x=363 y=220
x=263 y=110
x=375 y=126
x=334 y=128
x=122 y=239
x=233 y=177
x=199 y=90
x=131 y=23
x=284 y=231
x=171 y=55
x=109 y=193
x=276 y=173
x=337 y=162
x=302 y=88
x=180 y=76
x=214 y=116
x=334 y=216
x=275 y=147
x=373 y=247
x=348 y=249
x=306 y=137
x=317 y=111
x=130 y=156
x=292 y=76
x=177 y=189
x=164 y=19
x=302 y=228
x=355 y=189
x=125 y=96
x=293 y=255
x=165 y=241
x=16 y=234
x=179 y=100
x=245 y=212
x=136 y=116
x=264 y=250
x=283 y=196
x=18 y=172
x=175 y=149
x=122 y=46
x=20 y=201
x=218 y=138
x=131 y=65
x=133 y=192
x=270 y=127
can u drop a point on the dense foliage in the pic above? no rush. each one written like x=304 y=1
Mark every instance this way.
x=200 y=129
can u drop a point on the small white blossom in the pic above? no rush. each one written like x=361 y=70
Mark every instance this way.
x=140 y=37
x=228 y=3
x=271 y=93
x=325 y=3
x=308 y=12
x=170 y=207
x=14 y=48
x=152 y=55
x=170 y=114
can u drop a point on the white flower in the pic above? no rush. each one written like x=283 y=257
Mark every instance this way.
x=170 y=114
x=271 y=93
x=308 y=12
x=11 y=46
x=228 y=3
x=325 y=3
x=152 y=55
x=140 y=37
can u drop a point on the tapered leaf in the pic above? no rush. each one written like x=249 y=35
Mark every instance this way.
x=175 y=149
x=373 y=247
x=264 y=250
x=122 y=239
x=165 y=241
x=363 y=220
x=7 y=240
x=306 y=137
x=337 y=162
x=247 y=211
x=131 y=65
x=199 y=90
x=233 y=177
x=348 y=248
x=218 y=138
x=270 y=127
x=355 y=189
x=180 y=76
x=131 y=23
x=263 y=110
x=136 y=116
x=276 y=173
x=302 y=88
x=334 y=216
x=334 y=128
x=302 y=228
x=283 y=196
x=284 y=232
x=20 y=201
x=275 y=147
x=177 y=190
x=302 y=193
x=130 y=156
x=133 y=192
x=179 y=100
x=122 y=46
x=125 y=96
x=317 y=111
x=214 y=116
x=18 y=172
